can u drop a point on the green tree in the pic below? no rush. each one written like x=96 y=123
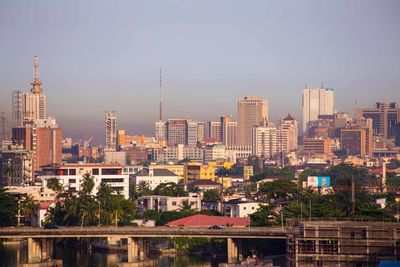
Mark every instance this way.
x=168 y=216
x=278 y=190
x=212 y=195
x=87 y=184
x=264 y=216
x=8 y=171
x=8 y=208
x=29 y=207
x=170 y=189
x=151 y=215
x=143 y=189
x=54 y=184
x=186 y=206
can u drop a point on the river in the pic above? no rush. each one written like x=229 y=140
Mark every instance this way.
x=10 y=255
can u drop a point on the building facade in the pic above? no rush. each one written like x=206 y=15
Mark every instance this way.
x=111 y=130
x=316 y=102
x=252 y=111
x=264 y=143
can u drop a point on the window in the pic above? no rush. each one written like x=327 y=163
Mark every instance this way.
x=173 y=203
x=109 y=171
x=72 y=181
x=244 y=208
x=72 y=171
x=95 y=172
x=112 y=180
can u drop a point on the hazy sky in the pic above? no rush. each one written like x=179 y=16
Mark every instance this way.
x=106 y=55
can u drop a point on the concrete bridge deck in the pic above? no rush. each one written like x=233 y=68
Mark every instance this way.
x=130 y=231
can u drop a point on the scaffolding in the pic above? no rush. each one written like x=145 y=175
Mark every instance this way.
x=342 y=243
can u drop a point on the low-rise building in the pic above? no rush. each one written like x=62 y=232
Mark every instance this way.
x=71 y=175
x=240 y=208
x=167 y=203
x=154 y=177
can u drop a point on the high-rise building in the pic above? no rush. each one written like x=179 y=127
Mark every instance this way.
x=29 y=106
x=264 y=142
x=318 y=147
x=201 y=131
x=111 y=130
x=384 y=117
x=43 y=138
x=287 y=135
x=214 y=130
x=160 y=130
x=228 y=131
x=191 y=133
x=316 y=102
x=176 y=132
x=252 y=111
x=356 y=142
x=397 y=135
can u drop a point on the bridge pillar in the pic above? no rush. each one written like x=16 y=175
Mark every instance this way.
x=47 y=248
x=240 y=246
x=232 y=250
x=133 y=253
x=143 y=248
x=34 y=252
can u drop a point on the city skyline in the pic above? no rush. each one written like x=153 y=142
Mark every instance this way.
x=217 y=60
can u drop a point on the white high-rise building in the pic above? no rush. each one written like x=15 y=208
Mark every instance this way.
x=252 y=111
x=111 y=130
x=287 y=134
x=160 y=130
x=201 y=131
x=264 y=142
x=316 y=102
x=191 y=131
x=29 y=106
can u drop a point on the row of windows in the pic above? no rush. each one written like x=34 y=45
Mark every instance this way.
x=95 y=171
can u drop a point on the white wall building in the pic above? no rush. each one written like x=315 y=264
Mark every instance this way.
x=316 y=101
x=264 y=142
x=167 y=203
x=70 y=176
x=214 y=152
x=240 y=208
x=154 y=177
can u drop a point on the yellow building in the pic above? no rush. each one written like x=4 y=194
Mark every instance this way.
x=225 y=181
x=247 y=172
x=195 y=171
x=176 y=169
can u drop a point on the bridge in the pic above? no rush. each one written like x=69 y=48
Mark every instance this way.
x=40 y=240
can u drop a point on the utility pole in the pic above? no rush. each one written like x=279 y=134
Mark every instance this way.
x=353 y=195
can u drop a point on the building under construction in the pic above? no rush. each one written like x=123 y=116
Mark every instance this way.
x=342 y=243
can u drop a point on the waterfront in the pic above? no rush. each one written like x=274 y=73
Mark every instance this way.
x=11 y=254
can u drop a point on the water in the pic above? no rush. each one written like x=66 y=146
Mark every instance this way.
x=10 y=255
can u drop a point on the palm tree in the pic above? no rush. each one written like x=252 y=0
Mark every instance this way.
x=29 y=207
x=186 y=206
x=8 y=171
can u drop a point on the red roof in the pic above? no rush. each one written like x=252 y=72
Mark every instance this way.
x=380 y=170
x=44 y=205
x=207 y=221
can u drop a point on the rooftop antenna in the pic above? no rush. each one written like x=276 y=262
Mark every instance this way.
x=161 y=95
x=322 y=85
x=36 y=83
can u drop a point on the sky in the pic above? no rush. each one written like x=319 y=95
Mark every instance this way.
x=106 y=55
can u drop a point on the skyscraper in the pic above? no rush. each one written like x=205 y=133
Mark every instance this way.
x=384 y=118
x=228 y=131
x=176 y=132
x=29 y=106
x=44 y=138
x=287 y=136
x=316 y=102
x=111 y=130
x=252 y=111
x=264 y=143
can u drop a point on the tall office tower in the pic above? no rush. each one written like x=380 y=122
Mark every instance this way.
x=384 y=118
x=228 y=131
x=397 y=135
x=191 y=133
x=111 y=130
x=316 y=102
x=44 y=138
x=264 y=142
x=287 y=135
x=201 y=131
x=357 y=138
x=252 y=111
x=29 y=106
x=214 y=130
x=160 y=130
x=176 y=132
